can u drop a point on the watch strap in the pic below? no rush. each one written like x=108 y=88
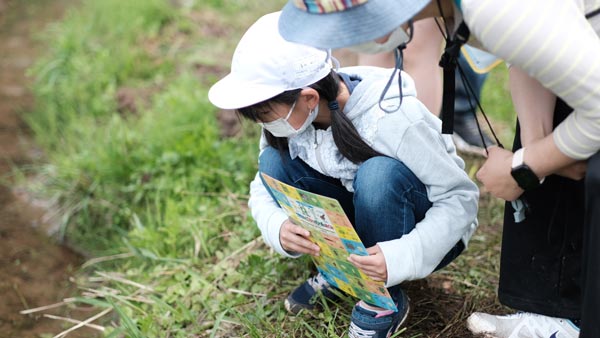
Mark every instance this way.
x=517 y=158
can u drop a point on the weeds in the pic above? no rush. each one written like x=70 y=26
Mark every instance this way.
x=158 y=197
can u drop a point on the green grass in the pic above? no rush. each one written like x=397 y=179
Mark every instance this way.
x=497 y=104
x=160 y=188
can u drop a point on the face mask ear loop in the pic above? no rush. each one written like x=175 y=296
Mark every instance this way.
x=399 y=56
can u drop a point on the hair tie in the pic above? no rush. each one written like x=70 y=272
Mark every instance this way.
x=333 y=105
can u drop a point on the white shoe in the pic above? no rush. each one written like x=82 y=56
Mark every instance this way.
x=462 y=146
x=521 y=325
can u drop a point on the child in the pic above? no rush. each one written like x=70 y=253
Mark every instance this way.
x=328 y=132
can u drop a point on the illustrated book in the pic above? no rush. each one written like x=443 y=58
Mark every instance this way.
x=332 y=231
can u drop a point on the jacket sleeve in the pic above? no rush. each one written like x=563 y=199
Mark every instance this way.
x=454 y=200
x=268 y=215
x=266 y=212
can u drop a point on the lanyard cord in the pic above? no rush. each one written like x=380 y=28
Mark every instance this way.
x=592 y=13
x=449 y=64
x=399 y=57
x=472 y=97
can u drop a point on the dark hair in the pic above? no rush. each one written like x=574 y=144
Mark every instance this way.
x=345 y=135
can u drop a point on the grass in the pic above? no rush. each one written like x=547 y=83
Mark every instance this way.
x=155 y=195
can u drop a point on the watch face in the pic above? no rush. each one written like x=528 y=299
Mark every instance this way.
x=525 y=177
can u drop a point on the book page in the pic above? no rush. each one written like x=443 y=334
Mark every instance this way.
x=332 y=231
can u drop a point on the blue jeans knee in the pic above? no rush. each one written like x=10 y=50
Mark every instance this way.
x=388 y=199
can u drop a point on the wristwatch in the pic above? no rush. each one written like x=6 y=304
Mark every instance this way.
x=525 y=177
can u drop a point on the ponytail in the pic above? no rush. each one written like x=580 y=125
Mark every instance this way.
x=347 y=139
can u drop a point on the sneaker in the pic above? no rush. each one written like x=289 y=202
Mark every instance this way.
x=305 y=296
x=466 y=135
x=370 y=324
x=521 y=325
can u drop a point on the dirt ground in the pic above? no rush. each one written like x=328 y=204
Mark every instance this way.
x=34 y=271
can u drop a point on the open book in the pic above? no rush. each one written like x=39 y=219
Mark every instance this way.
x=331 y=230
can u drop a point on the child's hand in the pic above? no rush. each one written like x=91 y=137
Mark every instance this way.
x=294 y=238
x=372 y=265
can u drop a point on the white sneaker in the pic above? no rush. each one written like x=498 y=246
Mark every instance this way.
x=462 y=146
x=521 y=325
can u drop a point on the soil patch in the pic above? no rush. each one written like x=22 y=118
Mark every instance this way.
x=34 y=271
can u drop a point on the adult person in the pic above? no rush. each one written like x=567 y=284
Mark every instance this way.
x=420 y=62
x=325 y=131
x=555 y=45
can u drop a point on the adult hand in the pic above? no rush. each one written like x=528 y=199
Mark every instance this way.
x=294 y=238
x=372 y=265
x=575 y=171
x=495 y=174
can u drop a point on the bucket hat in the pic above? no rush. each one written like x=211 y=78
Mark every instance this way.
x=342 y=23
x=265 y=65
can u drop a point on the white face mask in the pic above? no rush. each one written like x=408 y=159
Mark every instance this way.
x=396 y=38
x=282 y=128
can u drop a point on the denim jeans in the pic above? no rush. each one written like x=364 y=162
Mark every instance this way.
x=388 y=199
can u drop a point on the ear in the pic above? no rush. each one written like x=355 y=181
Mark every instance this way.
x=310 y=97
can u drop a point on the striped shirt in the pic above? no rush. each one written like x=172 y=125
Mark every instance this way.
x=553 y=42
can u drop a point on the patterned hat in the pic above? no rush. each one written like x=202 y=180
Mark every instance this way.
x=342 y=23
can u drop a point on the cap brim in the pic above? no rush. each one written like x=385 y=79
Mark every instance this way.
x=231 y=93
x=353 y=26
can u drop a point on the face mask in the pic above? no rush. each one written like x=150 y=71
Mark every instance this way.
x=396 y=38
x=282 y=128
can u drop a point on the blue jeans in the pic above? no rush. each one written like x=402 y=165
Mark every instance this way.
x=388 y=199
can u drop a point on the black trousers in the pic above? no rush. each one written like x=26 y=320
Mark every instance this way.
x=541 y=257
x=590 y=320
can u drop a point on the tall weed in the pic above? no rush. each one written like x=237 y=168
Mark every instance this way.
x=90 y=55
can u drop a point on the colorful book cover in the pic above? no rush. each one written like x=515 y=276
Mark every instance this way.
x=332 y=231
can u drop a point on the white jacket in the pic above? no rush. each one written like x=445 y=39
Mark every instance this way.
x=411 y=135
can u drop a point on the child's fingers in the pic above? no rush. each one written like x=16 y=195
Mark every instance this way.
x=294 y=238
x=296 y=229
x=303 y=248
x=360 y=260
x=295 y=243
x=370 y=265
x=374 y=250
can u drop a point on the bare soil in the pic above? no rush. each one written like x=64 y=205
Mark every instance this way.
x=34 y=270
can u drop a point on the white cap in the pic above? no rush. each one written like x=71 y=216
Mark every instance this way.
x=265 y=65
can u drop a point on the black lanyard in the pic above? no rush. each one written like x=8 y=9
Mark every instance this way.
x=592 y=13
x=448 y=62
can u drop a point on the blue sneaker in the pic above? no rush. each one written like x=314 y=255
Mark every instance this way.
x=305 y=296
x=368 y=324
